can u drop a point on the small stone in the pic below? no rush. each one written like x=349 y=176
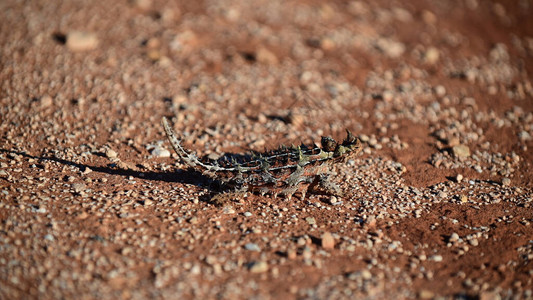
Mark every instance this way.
x=463 y=198
x=81 y=41
x=461 y=151
x=473 y=242
x=143 y=4
x=291 y=254
x=258 y=267
x=524 y=135
x=452 y=142
x=332 y=200
x=296 y=119
x=46 y=101
x=425 y=294
x=454 y=237
x=310 y=220
x=459 y=178
x=79 y=187
x=440 y=91
x=247 y=214
x=110 y=153
x=82 y=216
x=366 y=275
x=328 y=241
x=327 y=44
x=431 y=56
x=159 y=151
x=436 y=258
x=265 y=56
x=252 y=247
x=228 y=210
x=506 y=181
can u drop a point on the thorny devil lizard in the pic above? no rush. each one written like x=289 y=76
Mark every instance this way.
x=286 y=170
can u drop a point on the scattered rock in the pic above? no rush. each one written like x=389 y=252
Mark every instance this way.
x=265 y=56
x=81 y=41
x=506 y=181
x=459 y=178
x=453 y=238
x=159 y=151
x=431 y=56
x=79 y=187
x=461 y=151
x=473 y=242
x=524 y=135
x=258 y=267
x=110 y=153
x=252 y=247
x=46 y=101
x=436 y=258
x=328 y=241
x=425 y=294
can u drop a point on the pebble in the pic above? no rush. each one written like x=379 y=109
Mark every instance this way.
x=459 y=178
x=506 y=181
x=461 y=151
x=453 y=141
x=425 y=294
x=110 y=153
x=247 y=214
x=79 y=187
x=265 y=56
x=436 y=258
x=159 y=151
x=258 y=267
x=440 y=91
x=454 y=237
x=229 y=210
x=46 y=101
x=524 y=135
x=252 y=247
x=310 y=220
x=81 y=41
x=328 y=241
x=432 y=55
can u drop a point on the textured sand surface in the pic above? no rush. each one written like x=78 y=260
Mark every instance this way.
x=94 y=205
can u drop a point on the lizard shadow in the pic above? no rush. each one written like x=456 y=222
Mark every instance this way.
x=185 y=176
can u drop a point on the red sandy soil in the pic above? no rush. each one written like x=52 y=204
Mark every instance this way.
x=438 y=204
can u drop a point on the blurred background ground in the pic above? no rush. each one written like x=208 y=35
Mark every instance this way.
x=94 y=205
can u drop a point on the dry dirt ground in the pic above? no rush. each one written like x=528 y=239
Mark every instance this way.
x=438 y=204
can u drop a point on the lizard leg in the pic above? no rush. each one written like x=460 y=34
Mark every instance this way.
x=323 y=184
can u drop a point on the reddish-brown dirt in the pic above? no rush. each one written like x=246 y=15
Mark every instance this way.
x=94 y=205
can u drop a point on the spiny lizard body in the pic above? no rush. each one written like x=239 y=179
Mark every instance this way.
x=286 y=170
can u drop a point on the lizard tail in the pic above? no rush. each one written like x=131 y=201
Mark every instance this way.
x=189 y=158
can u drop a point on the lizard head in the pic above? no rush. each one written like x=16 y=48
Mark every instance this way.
x=350 y=146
